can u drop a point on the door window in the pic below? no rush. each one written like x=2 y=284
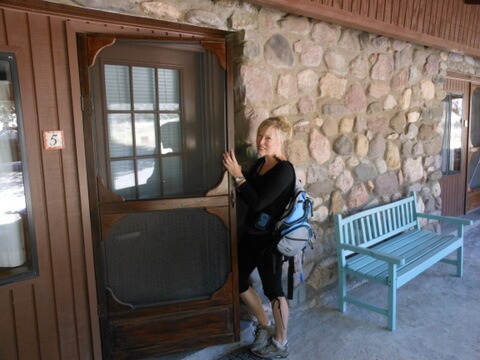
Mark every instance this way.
x=144 y=131
x=452 y=134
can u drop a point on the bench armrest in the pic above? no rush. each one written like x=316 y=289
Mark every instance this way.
x=446 y=218
x=460 y=222
x=375 y=254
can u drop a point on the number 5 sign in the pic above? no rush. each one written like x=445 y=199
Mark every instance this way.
x=53 y=140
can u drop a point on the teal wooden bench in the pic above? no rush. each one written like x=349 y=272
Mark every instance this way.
x=385 y=244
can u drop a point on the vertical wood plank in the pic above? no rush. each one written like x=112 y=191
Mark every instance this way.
x=48 y=105
x=337 y=4
x=380 y=10
x=415 y=10
x=23 y=301
x=464 y=32
x=458 y=12
x=395 y=13
x=443 y=19
x=364 y=4
x=387 y=14
x=8 y=339
x=372 y=9
x=422 y=22
x=448 y=20
x=18 y=35
x=475 y=30
x=356 y=7
x=3 y=29
x=437 y=17
x=71 y=184
x=369 y=229
x=474 y=34
x=407 y=14
x=347 y=5
x=434 y=18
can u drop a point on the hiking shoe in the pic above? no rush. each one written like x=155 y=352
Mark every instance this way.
x=273 y=351
x=262 y=338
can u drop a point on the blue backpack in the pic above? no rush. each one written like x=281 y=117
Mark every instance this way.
x=293 y=230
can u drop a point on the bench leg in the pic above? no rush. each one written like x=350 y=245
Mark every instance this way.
x=460 y=261
x=342 y=290
x=392 y=297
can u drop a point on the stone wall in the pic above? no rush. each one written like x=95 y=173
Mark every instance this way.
x=366 y=109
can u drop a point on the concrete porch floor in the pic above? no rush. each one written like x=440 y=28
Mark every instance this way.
x=438 y=318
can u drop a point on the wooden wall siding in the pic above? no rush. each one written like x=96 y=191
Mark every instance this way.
x=47 y=317
x=54 y=316
x=443 y=24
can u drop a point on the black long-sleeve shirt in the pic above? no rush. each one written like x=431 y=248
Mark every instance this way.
x=268 y=193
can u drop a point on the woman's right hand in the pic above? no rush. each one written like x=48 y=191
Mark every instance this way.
x=231 y=164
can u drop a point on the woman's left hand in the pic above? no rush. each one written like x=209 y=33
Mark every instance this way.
x=231 y=164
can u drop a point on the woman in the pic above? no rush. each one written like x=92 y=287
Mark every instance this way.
x=266 y=189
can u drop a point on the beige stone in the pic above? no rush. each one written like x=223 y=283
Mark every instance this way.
x=336 y=167
x=320 y=214
x=319 y=146
x=412 y=170
x=287 y=85
x=389 y=102
x=307 y=80
x=392 y=156
x=361 y=145
x=297 y=152
x=428 y=89
x=161 y=10
x=344 y=181
x=330 y=127
x=336 y=203
x=413 y=117
x=332 y=86
x=378 y=89
x=404 y=102
x=346 y=125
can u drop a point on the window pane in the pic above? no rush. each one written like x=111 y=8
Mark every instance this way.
x=145 y=134
x=452 y=124
x=120 y=135
x=168 y=89
x=123 y=178
x=17 y=259
x=143 y=88
x=456 y=133
x=475 y=120
x=170 y=133
x=172 y=176
x=117 y=83
x=148 y=179
x=444 y=134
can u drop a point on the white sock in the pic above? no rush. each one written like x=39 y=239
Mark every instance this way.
x=281 y=346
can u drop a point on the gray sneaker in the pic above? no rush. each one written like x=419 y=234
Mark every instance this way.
x=272 y=351
x=263 y=334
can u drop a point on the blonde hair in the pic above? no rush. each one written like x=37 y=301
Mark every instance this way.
x=279 y=123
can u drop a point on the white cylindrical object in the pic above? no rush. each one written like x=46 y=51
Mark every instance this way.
x=12 y=242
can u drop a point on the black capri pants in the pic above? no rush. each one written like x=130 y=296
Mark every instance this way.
x=257 y=251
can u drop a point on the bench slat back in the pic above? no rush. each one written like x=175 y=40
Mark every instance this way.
x=374 y=225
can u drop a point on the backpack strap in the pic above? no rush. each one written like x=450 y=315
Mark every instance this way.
x=291 y=272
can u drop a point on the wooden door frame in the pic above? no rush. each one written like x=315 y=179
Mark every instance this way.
x=459 y=85
x=124 y=26
x=471 y=80
x=474 y=82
